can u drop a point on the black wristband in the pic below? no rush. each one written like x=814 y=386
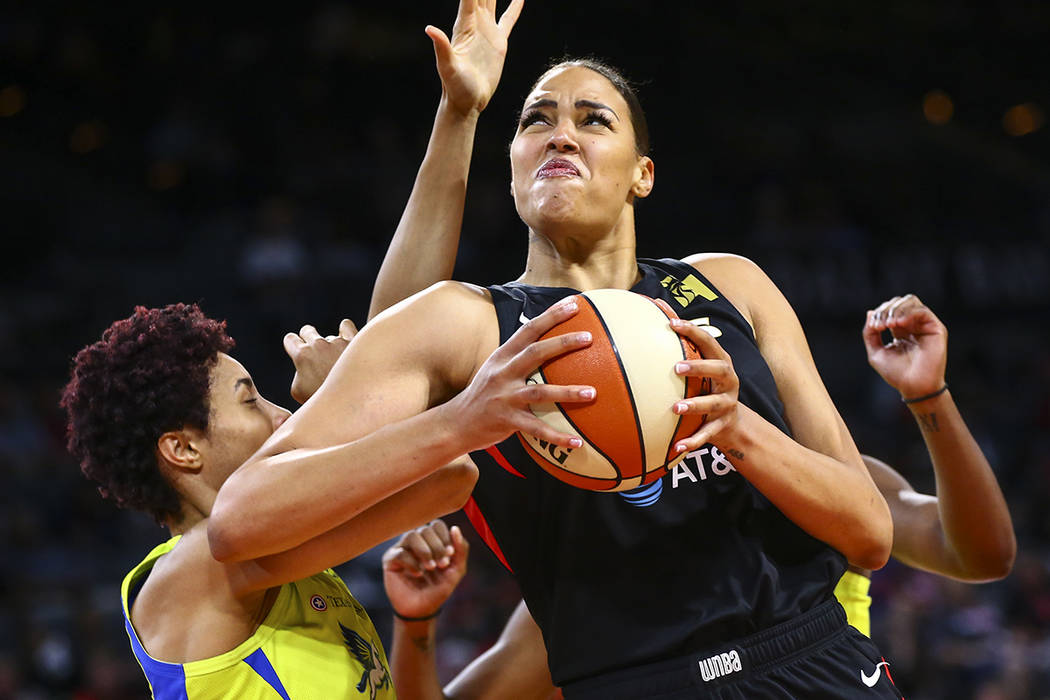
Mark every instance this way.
x=917 y=399
x=431 y=616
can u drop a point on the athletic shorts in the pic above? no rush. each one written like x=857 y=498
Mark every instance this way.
x=815 y=656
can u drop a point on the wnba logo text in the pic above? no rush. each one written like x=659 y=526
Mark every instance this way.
x=720 y=665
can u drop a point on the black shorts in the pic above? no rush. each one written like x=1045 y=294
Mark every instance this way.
x=814 y=656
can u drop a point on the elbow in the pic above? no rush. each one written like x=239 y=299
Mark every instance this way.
x=996 y=564
x=873 y=548
x=871 y=555
x=224 y=540
x=454 y=484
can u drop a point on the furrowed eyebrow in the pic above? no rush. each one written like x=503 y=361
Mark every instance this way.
x=591 y=104
x=579 y=104
x=540 y=103
x=246 y=381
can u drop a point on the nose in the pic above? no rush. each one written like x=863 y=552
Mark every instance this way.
x=563 y=138
x=278 y=415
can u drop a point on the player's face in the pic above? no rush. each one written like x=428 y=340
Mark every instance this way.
x=240 y=419
x=573 y=158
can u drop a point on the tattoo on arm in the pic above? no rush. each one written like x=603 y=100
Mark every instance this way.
x=735 y=453
x=928 y=423
x=422 y=642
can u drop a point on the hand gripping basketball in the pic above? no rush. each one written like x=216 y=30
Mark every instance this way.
x=496 y=402
x=721 y=404
x=629 y=429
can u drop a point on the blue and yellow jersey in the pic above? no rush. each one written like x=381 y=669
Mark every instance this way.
x=316 y=642
x=852 y=594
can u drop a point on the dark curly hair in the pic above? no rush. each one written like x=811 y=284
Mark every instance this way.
x=149 y=374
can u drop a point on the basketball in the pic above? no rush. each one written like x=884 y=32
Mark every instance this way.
x=628 y=430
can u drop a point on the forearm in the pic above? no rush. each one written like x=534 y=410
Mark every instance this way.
x=974 y=517
x=423 y=249
x=441 y=493
x=278 y=500
x=413 y=663
x=831 y=500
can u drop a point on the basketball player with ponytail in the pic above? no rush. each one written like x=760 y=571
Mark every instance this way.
x=963 y=532
x=622 y=612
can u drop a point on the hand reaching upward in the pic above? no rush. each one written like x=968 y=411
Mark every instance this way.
x=470 y=64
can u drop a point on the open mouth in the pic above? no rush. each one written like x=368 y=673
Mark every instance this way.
x=557 y=167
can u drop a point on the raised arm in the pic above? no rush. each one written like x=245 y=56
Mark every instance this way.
x=423 y=249
x=816 y=478
x=963 y=532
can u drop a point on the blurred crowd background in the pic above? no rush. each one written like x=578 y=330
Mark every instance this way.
x=255 y=159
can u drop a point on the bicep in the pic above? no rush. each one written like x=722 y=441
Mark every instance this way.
x=400 y=364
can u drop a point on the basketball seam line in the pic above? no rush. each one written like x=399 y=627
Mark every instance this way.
x=619 y=476
x=630 y=391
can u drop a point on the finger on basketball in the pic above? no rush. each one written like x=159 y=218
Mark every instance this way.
x=555 y=393
x=537 y=428
x=718 y=370
x=701 y=437
x=308 y=333
x=536 y=327
x=540 y=351
x=704 y=341
x=710 y=404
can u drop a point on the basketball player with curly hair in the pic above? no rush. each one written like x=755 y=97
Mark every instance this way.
x=160 y=415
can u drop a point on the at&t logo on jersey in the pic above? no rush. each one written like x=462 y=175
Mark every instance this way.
x=720 y=665
x=700 y=464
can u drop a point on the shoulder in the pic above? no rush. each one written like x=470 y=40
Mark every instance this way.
x=448 y=328
x=740 y=279
x=448 y=296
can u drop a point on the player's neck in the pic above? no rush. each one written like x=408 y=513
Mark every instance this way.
x=189 y=516
x=608 y=263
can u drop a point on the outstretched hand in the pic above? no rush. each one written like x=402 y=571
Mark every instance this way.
x=423 y=568
x=470 y=64
x=314 y=356
x=914 y=360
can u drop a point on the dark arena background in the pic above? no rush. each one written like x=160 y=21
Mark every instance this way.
x=257 y=160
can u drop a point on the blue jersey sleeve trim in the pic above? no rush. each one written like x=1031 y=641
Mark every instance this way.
x=261 y=665
x=168 y=681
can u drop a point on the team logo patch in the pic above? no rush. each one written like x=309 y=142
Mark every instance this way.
x=318 y=603
x=374 y=676
x=685 y=291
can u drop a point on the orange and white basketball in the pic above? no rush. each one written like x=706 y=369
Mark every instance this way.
x=629 y=430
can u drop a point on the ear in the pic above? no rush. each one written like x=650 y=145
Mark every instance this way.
x=643 y=180
x=180 y=451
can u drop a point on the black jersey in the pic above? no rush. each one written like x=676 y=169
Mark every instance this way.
x=697 y=558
